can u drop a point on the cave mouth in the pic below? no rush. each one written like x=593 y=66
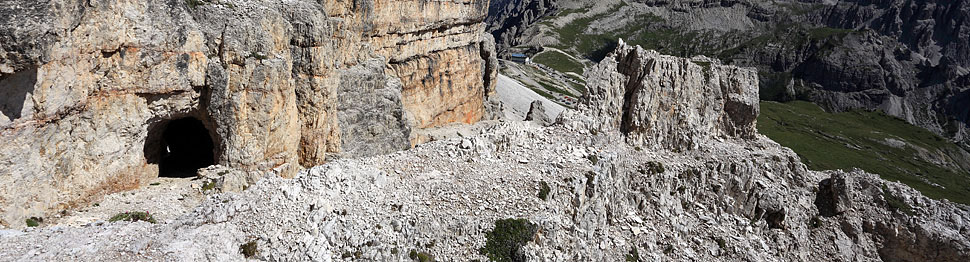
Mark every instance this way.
x=184 y=147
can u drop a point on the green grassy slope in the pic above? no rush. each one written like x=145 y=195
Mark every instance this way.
x=559 y=61
x=828 y=141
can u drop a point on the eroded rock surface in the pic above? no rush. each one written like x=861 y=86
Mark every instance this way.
x=89 y=87
x=729 y=197
x=675 y=102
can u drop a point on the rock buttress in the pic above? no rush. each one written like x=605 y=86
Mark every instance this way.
x=672 y=102
x=277 y=85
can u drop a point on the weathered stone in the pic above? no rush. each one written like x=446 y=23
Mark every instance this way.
x=89 y=88
x=537 y=113
x=672 y=102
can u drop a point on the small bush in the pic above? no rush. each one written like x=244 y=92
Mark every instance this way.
x=669 y=249
x=721 y=243
x=504 y=242
x=633 y=256
x=248 y=249
x=590 y=184
x=257 y=55
x=815 y=222
x=133 y=217
x=208 y=186
x=544 y=190
x=420 y=256
x=195 y=3
x=34 y=221
x=593 y=159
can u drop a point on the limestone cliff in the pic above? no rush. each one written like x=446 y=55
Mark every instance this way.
x=89 y=88
x=676 y=101
x=577 y=192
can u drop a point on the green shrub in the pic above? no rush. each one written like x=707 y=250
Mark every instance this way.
x=248 y=249
x=257 y=55
x=34 y=221
x=133 y=217
x=208 y=186
x=504 y=242
x=420 y=256
x=721 y=243
x=544 y=190
x=195 y=3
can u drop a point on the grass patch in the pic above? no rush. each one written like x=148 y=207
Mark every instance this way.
x=559 y=61
x=133 y=217
x=503 y=243
x=857 y=139
x=544 y=190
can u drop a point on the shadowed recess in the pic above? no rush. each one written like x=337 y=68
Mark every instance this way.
x=13 y=92
x=180 y=147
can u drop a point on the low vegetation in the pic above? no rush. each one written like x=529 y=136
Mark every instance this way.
x=895 y=202
x=504 y=242
x=871 y=141
x=133 y=217
x=559 y=62
x=544 y=190
x=248 y=249
x=34 y=221
x=420 y=256
x=633 y=255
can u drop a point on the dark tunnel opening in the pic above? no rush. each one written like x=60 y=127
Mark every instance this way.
x=180 y=147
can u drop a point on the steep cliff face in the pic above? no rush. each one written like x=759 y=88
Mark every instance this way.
x=90 y=88
x=509 y=19
x=731 y=197
x=676 y=102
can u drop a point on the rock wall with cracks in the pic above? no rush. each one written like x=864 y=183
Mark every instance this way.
x=675 y=101
x=731 y=198
x=277 y=84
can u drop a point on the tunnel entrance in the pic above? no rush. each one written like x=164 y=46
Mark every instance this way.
x=185 y=145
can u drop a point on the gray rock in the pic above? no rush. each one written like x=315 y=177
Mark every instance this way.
x=537 y=113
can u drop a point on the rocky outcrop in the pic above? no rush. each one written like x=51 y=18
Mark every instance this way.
x=587 y=197
x=906 y=58
x=89 y=88
x=509 y=19
x=537 y=113
x=672 y=102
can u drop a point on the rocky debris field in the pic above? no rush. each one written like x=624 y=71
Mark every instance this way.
x=632 y=175
x=606 y=200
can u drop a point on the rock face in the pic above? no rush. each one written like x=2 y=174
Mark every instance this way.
x=537 y=113
x=509 y=19
x=88 y=89
x=909 y=59
x=743 y=198
x=672 y=102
